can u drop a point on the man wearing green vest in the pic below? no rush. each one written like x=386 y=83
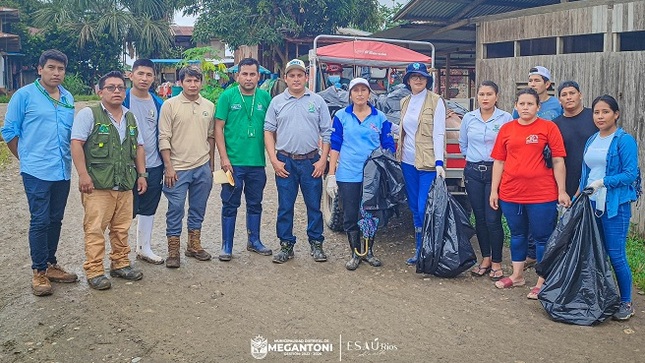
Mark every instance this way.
x=239 y=137
x=107 y=150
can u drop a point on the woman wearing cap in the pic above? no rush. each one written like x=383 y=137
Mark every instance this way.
x=524 y=187
x=358 y=130
x=610 y=167
x=421 y=143
x=477 y=136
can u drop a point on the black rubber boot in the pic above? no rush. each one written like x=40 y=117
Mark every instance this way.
x=285 y=254
x=317 y=251
x=370 y=258
x=354 y=245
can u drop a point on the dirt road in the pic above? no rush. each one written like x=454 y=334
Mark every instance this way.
x=211 y=311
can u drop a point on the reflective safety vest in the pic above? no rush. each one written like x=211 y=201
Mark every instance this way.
x=109 y=162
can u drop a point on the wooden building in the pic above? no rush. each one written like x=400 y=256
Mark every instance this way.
x=598 y=43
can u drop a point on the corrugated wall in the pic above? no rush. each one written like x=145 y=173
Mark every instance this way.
x=621 y=74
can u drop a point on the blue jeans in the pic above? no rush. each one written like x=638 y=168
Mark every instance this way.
x=417 y=185
x=614 y=231
x=488 y=222
x=146 y=204
x=251 y=180
x=47 y=201
x=299 y=176
x=197 y=183
x=537 y=219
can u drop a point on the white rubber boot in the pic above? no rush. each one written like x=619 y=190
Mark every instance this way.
x=144 y=235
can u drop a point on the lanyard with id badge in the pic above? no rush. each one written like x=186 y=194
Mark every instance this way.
x=251 y=129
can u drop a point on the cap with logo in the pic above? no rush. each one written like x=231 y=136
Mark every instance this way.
x=295 y=64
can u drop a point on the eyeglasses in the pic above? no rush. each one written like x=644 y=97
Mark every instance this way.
x=114 y=88
x=417 y=77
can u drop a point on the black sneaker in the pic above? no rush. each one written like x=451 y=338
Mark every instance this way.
x=317 y=251
x=625 y=311
x=285 y=254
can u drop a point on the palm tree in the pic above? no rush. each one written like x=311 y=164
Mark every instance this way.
x=142 y=26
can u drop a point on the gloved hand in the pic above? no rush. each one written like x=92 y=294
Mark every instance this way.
x=441 y=171
x=597 y=184
x=332 y=187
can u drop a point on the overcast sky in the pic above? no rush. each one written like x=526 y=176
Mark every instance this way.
x=180 y=19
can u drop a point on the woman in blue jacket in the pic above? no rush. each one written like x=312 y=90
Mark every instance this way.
x=610 y=167
x=358 y=129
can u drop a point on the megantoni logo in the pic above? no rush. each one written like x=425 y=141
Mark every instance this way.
x=259 y=347
x=416 y=66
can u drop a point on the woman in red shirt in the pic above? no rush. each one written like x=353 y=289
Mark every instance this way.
x=526 y=189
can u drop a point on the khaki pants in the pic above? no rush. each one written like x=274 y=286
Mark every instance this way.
x=105 y=208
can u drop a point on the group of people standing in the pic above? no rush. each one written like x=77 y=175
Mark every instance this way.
x=132 y=147
x=524 y=166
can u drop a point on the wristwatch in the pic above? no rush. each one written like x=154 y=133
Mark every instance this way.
x=143 y=175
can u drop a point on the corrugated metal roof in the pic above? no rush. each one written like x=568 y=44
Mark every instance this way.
x=446 y=10
x=445 y=24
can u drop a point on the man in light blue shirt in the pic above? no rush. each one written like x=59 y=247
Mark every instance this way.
x=37 y=130
x=295 y=122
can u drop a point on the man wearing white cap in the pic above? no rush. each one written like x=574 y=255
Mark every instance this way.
x=295 y=122
x=540 y=80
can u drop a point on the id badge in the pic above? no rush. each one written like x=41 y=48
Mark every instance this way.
x=251 y=132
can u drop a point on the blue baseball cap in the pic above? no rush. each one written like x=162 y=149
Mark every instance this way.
x=418 y=68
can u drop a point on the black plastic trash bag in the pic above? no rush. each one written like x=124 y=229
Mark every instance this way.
x=383 y=185
x=579 y=287
x=446 y=250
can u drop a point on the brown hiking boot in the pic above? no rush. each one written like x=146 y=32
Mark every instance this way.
x=172 y=261
x=40 y=284
x=194 y=248
x=55 y=273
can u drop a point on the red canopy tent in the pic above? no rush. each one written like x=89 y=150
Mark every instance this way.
x=370 y=53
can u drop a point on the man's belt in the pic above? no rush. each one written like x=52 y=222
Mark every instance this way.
x=309 y=155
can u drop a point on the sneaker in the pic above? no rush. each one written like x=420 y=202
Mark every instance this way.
x=625 y=311
x=127 y=273
x=285 y=254
x=100 y=282
x=317 y=251
x=55 y=273
x=40 y=285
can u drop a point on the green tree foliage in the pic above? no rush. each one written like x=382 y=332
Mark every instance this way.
x=139 y=25
x=386 y=17
x=88 y=62
x=270 y=22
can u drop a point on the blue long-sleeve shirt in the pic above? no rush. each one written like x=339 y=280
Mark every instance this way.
x=356 y=140
x=477 y=137
x=43 y=131
x=622 y=170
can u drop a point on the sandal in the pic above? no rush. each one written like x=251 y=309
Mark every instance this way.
x=533 y=295
x=480 y=271
x=496 y=275
x=507 y=283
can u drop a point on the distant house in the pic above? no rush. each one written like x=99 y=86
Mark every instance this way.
x=10 y=68
x=183 y=38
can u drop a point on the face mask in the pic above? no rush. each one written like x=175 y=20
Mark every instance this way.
x=333 y=79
